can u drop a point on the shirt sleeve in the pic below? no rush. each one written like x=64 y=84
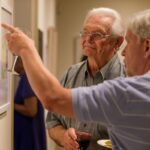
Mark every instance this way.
x=113 y=102
x=86 y=104
x=53 y=120
x=27 y=90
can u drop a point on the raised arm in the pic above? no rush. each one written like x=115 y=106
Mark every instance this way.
x=52 y=95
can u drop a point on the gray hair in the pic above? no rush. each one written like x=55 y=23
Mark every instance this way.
x=140 y=24
x=117 y=26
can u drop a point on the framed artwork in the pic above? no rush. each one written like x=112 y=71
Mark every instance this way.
x=5 y=62
x=40 y=43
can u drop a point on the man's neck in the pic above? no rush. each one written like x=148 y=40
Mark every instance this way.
x=94 y=65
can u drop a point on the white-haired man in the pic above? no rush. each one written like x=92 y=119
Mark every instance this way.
x=101 y=38
x=123 y=104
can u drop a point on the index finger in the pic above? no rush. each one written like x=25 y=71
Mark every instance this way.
x=8 y=27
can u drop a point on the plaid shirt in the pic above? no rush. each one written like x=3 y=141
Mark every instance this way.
x=76 y=76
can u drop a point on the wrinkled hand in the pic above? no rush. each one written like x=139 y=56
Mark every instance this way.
x=70 y=140
x=17 y=40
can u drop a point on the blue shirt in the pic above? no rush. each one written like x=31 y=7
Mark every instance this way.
x=123 y=105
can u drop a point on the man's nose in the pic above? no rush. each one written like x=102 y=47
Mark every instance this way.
x=89 y=38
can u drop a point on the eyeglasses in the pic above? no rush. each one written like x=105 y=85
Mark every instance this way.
x=93 y=36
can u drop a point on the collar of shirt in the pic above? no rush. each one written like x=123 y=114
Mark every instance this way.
x=102 y=71
x=106 y=68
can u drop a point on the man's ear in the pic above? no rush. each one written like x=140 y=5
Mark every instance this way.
x=147 y=48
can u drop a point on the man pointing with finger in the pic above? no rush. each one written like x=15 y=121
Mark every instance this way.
x=123 y=104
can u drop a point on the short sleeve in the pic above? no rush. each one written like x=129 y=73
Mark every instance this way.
x=27 y=90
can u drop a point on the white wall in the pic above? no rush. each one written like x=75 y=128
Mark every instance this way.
x=6 y=131
x=70 y=16
x=25 y=17
x=46 y=19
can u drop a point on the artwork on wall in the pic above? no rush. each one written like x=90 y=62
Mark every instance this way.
x=40 y=43
x=6 y=17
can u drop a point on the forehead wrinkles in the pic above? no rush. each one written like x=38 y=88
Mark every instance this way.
x=100 y=23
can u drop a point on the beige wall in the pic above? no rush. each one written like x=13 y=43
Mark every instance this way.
x=70 y=15
x=6 y=131
x=46 y=19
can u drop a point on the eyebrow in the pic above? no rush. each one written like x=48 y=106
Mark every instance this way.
x=95 y=31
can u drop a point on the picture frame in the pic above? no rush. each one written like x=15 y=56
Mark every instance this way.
x=40 y=43
x=6 y=60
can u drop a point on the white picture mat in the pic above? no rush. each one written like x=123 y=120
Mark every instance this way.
x=5 y=62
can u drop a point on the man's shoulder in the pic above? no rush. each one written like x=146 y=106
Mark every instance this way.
x=72 y=73
x=73 y=69
x=78 y=65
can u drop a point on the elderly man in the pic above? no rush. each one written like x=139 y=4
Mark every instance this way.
x=123 y=104
x=100 y=41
